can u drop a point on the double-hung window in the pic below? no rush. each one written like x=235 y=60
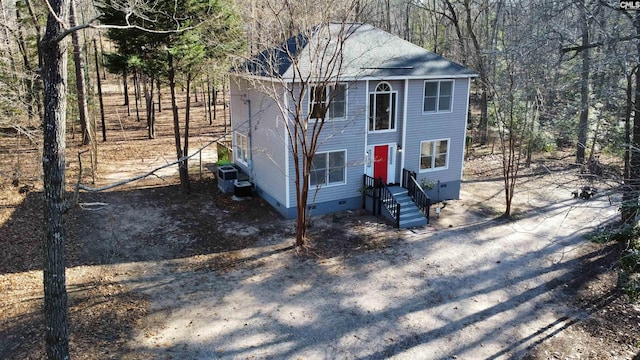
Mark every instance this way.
x=434 y=154
x=328 y=102
x=438 y=96
x=242 y=148
x=382 y=108
x=328 y=168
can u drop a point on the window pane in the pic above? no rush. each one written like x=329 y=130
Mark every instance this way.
x=442 y=147
x=318 y=111
x=446 y=87
x=445 y=103
x=441 y=160
x=382 y=111
x=318 y=102
x=316 y=177
x=383 y=87
x=371 y=111
x=319 y=161
x=318 y=93
x=338 y=101
x=392 y=116
x=426 y=148
x=425 y=162
x=431 y=89
x=338 y=92
x=430 y=104
x=336 y=159
x=336 y=175
x=337 y=109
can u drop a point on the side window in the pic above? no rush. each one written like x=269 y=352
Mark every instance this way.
x=438 y=96
x=242 y=148
x=434 y=154
x=328 y=102
x=328 y=168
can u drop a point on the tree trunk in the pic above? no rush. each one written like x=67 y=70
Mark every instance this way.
x=159 y=94
x=634 y=156
x=54 y=74
x=632 y=188
x=99 y=85
x=187 y=118
x=182 y=165
x=125 y=88
x=136 y=92
x=208 y=107
x=583 y=124
x=483 y=126
x=224 y=104
x=148 y=96
x=26 y=82
x=302 y=195
x=627 y=211
x=83 y=110
x=37 y=82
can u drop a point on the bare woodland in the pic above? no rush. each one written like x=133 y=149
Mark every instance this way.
x=553 y=75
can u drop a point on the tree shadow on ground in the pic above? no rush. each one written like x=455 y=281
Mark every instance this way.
x=378 y=298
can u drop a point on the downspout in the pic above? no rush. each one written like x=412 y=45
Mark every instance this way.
x=250 y=144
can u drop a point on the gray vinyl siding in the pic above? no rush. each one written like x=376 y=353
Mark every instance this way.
x=433 y=126
x=348 y=135
x=267 y=142
x=391 y=136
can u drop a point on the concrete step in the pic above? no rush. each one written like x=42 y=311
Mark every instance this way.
x=410 y=215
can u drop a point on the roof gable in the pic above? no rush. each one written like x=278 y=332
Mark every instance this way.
x=366 y=51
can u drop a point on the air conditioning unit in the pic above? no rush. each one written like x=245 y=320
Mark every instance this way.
x=242 y=189
x=227 y=176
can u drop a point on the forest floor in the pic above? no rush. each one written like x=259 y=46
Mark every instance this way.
x=156 y=274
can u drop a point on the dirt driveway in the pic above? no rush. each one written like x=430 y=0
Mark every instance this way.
x=223 y=281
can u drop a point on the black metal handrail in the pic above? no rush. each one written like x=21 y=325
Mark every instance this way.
x=415 y=191
x=390 y=203
x=370 y=189
x=406 y=174
x=375 y=189
x=419 y=197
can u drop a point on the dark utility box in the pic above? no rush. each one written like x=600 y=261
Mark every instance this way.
x=242 y=189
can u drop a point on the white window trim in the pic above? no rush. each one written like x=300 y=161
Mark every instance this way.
x=437 y=111
x=328 y=117
x=434 y=141
x=325 y=185
x=393 y=94
x=245 y=149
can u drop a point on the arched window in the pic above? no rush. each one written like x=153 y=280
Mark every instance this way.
x=382 y=108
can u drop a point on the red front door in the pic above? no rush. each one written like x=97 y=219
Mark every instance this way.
x=380 y=161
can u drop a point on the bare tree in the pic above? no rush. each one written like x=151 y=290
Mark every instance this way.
x=474 y=43
x=83 y=109
x=315 y=65
x=54 y=74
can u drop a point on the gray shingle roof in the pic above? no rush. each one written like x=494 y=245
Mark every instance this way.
x=367 y=52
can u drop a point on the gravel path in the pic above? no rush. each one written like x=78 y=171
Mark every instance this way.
x=480 y=288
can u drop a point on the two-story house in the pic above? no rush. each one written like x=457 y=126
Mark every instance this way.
x=395 y=109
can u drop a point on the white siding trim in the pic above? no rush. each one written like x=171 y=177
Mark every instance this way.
x=357 y=78
x=466 y=122
x=286 y=154
x=366 y=125
x=404 y=123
